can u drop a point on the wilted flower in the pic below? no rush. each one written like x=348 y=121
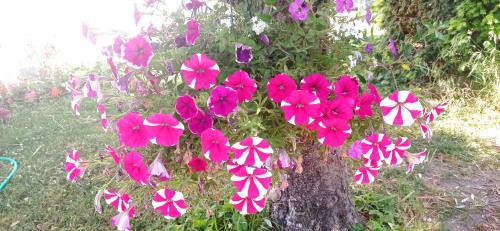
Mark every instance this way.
x=180 y=41
x=284 y=161
x=242 y=53
x=355 y=151
x=298 y=10
x=193 y=31
x=156 y=168
x=392 y=47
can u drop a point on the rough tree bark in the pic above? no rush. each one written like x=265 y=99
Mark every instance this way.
x=319 y=198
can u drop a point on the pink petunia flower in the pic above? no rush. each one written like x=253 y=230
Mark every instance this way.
x=317 y=84
x=131 y=130
x=364 y=105
x=338 y=108
x=374 y=92
x=401 y=108
x=346 y=88
x=246 y=205
x=135 y=168
x=197 y=164
x=365 y=175
x=169 y=203
x=333 y=132
x=243 y=84
x=252 y=151
x=156 y=168
x=252 y=182
x=72 y=166
x=138 y=52
x=397 y=151
x=112 y=152
x=233 y=167
x=186 y=107
x=298 y=10
x=194 y=4
x=374 y=146
x=122 y=221
x=280 y=87
x=222 y=101
x=355 y=151
x=200 y=122
x=215 y=146
x=301 y=107
x=200 y=72
x=163 y=129
x=120 y=201
x=193 y=31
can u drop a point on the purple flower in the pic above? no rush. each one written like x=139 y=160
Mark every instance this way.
x=242 y=53
x=392 y=47
x=298 y=10
x=368 y=16
x=284 y=161
x=343 y=5
x=180 y=41
x=265 y=39
x=369 y=48
x=355 y=152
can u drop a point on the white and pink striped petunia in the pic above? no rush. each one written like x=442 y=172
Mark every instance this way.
x=92 y=88
x=163 y=129
x=233 y=167
x=365 y=175
x=101 y=108
x=435 y=112
x=414 y=159
x=374 y=146
x=401 y=108
x=72 y=166
x=372 y=163
x=426 y=130
x=215 y=145
x=396 y=151
x=252 y=151
x=246 y=205
x=301 y=107
x=120 y=201
x=169 y=203
x=200 y=72
x=252 y=182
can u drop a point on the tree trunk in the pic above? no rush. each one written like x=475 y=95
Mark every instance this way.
x=319 y=198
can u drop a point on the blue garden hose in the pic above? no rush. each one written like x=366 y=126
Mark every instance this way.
x=12 y=171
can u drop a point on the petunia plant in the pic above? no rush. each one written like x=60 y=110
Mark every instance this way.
x=271 y=111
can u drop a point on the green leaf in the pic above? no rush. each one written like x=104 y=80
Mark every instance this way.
x=270 y=2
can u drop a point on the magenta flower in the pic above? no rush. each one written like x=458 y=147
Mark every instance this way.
x=435 y=112
x=252 y=151
x=298 y=10
x=317 y=84
x=138 y=52
x=120 y=201
x=426 y=130
x=222 y=101
x=247 y=205
x=215 y=146
x=338 y=108
x=242 y=53
x=301 y=107
x=72 y=166
x=392 y=47
x=263 y=38
x=186 y=107
x=131 y=130
x=122 y=221
x=284 y=161
x=252 y=182
x=365 y=175
x=243 y=84
x=118 y=45
x=346 y=88
x=200 y=72
x=401 y=108
x=369 y=48
x=397 y=151
x=137 y=14
x=101 y=108
x=194 y=4
x=163 y=129
x=197 y=164
x=333 y=132
x=156 y=168
x=193 y=31
x=135 y=168
x=374 y=146
x=368 y=16
x=280 y=87
x=91 y=89
x=374 y=92
x=200 y=122
x=169 y=203
x=343 y=5
x=364 y=105
x=112 y=152
x=355 y=151
x=112 y=66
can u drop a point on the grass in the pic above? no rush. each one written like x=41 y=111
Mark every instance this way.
x=40 y=198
